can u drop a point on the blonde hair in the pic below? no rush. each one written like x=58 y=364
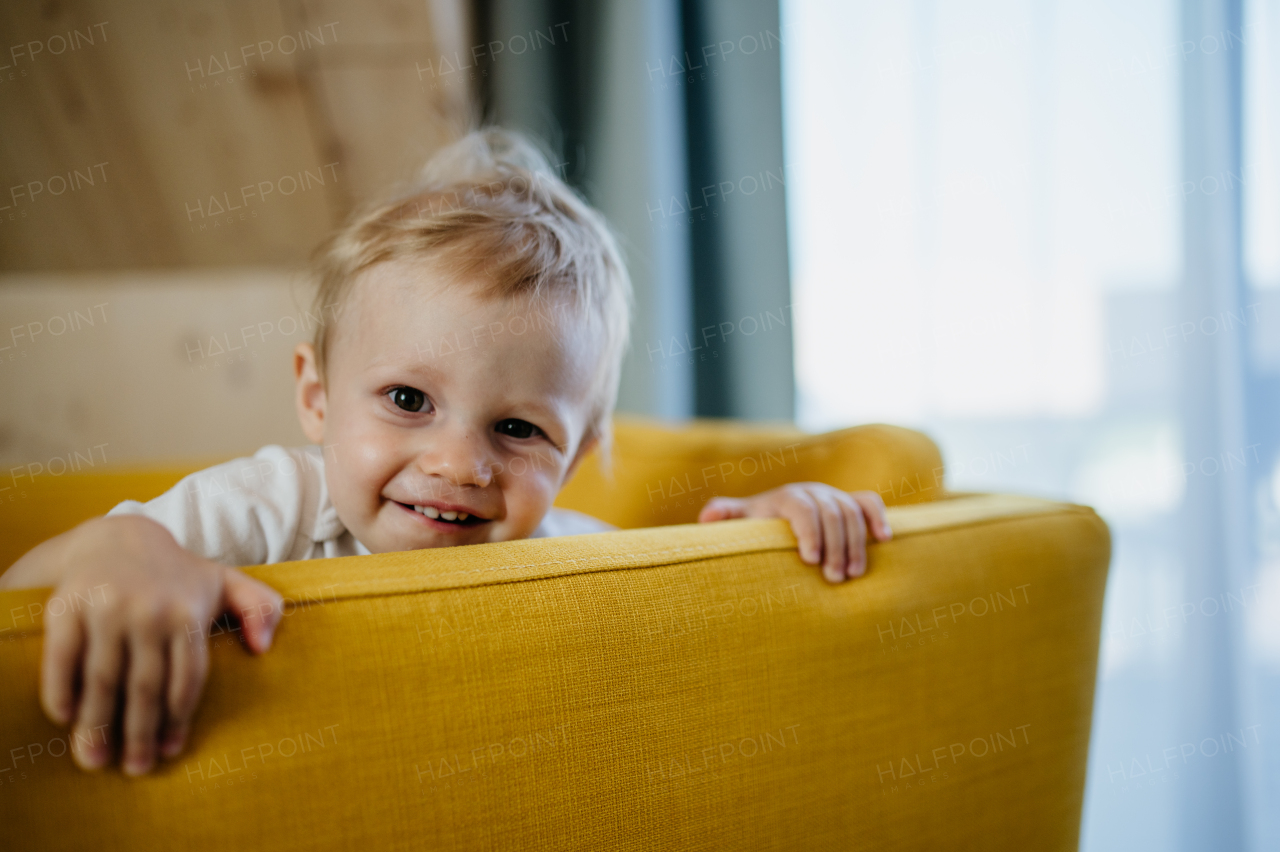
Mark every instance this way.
x=490 y=209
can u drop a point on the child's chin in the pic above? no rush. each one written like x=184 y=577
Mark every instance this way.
x=423 y=539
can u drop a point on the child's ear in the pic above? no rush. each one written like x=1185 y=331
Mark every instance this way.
x=310 y=395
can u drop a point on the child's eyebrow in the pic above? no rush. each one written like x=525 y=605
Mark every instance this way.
x=411 y=365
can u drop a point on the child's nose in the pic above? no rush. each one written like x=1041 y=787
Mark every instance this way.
x=462 y=459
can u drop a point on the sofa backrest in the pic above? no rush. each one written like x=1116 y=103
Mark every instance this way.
x=690 y=687
x=660 y=475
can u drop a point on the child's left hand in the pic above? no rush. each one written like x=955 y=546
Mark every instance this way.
x=830 y=524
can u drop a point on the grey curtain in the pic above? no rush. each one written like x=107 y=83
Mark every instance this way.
x=667 y=115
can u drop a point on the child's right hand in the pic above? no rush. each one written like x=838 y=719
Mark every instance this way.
x=142 y=636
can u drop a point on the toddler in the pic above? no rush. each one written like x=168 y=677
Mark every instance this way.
x=473 y=362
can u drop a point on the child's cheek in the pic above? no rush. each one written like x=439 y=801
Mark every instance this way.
x=528 y=497
x=358 y=464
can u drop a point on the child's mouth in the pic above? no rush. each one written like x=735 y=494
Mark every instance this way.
x=453 y=518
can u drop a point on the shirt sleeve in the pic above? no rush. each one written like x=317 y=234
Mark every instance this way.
x=559 y=522
x=249 y=511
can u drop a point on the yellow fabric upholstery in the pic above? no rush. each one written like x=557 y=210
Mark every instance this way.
x=691 y=687
x=662 y=475
x=659 y=475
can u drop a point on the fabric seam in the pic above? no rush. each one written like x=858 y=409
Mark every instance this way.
x=1065 y=508
x=1054 y=508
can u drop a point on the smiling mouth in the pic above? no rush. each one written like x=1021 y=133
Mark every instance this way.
x=455 y=518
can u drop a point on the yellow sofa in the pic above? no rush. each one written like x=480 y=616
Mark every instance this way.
x=677 y=687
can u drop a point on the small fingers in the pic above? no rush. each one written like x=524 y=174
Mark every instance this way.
x=91 y=735
x=722 y=509
x=188 y=668
x=258 y=606
x=801 y=511
x=142 y=713
x=60 y=664
x=855 y=525
x=835 y=549
x=877 y=519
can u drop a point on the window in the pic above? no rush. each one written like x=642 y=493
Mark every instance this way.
x=985 y=208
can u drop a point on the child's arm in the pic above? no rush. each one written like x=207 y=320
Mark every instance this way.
x=831 y=525
x=134 y=623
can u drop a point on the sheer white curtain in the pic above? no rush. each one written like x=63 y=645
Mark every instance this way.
x=1048 y=233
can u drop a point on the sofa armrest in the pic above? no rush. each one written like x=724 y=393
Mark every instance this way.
x=690 y=687
x=665 y=474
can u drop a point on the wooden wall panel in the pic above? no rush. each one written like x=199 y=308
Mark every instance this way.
x=215 y=122
x=147 y=366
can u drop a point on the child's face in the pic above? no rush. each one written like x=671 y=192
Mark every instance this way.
x=439 y=402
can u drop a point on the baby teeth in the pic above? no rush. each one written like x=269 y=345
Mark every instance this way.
x=434 y=513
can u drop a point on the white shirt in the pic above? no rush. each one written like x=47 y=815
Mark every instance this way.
x=275 y=507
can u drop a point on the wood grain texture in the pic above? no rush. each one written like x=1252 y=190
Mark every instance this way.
x=215 y=133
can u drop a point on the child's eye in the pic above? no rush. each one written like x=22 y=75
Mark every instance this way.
x=513 y=428
x=409 y=399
